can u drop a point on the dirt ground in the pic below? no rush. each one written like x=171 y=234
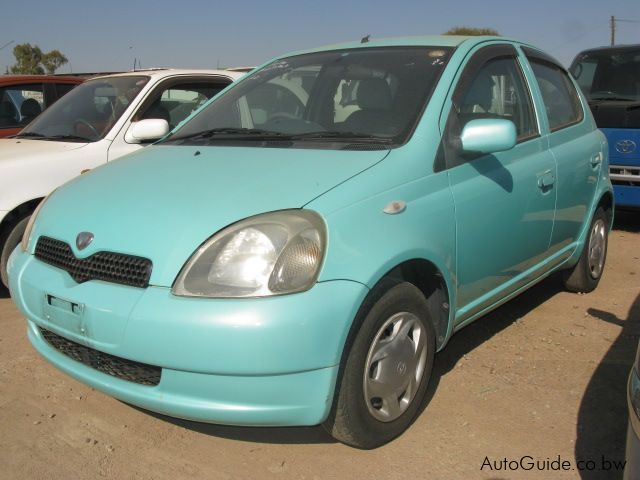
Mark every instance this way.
x=543 y=377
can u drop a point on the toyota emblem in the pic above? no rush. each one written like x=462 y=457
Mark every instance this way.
x=83 y=240
x=626 y=146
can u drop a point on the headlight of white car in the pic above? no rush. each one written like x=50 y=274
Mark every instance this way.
x=26 y=236
x=269 y=254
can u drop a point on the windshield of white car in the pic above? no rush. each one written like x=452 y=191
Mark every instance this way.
x=326 y=100
x=609 y=75
x=86 y=113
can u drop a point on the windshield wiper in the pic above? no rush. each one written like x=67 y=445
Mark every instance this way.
x=68 y=137
x=613 y=99
x=234 y=133
x=259 y=134
x=28 y=135
x=39 y=136
x=343 y=136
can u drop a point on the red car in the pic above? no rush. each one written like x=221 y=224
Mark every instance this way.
x=24 y=97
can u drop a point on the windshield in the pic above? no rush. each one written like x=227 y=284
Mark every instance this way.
x=328 y=99
x=611 y=74
x=86 y=113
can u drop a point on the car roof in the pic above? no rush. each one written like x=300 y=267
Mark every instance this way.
x=634 y=46
x=422 y=40
x=14 y=79
x=159 y=73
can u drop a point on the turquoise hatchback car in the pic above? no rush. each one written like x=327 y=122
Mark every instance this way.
x=298 y=250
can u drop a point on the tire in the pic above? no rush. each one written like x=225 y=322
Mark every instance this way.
x=585 y=275
x=8 y=243
x=380 y=389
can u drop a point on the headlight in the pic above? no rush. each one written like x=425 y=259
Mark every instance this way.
x=24 y=244
x=270 y=254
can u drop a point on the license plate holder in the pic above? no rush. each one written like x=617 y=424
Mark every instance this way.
x=64 y=314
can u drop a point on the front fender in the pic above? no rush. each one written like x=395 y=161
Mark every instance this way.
x=365 y=243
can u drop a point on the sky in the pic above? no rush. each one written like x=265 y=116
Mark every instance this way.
x=111 y=35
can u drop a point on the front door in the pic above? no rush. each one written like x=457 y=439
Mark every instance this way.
x=505 y=202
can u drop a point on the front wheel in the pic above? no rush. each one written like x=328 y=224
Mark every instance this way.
x=585 y=275
x=386 y=371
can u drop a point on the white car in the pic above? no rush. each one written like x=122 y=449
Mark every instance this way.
x=99 y=121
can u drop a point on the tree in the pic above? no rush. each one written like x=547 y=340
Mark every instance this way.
x=31 y=60
x=471 y=31
x=53 y=60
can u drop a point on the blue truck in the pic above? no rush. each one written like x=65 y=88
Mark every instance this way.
x=610 y=79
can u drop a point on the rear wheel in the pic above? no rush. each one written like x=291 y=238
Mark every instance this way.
x=585 y=275
x=386 y=371
x=9 y=240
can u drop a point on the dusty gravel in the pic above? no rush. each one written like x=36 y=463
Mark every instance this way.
x=544 y=376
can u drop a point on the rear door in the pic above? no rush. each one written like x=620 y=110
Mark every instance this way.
x=505 y=202
x=577 y=147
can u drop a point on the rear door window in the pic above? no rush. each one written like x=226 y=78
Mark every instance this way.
x=561 y=100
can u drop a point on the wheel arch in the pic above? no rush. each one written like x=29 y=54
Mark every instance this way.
x=604 y=199
x=432 y=280
x=607 y=203
x=17 y=214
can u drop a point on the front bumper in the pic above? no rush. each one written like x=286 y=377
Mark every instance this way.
x=632 y=467
x=627 y=195
x=265 y=361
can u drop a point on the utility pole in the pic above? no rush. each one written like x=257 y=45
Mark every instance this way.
x=613 y=22
x=613 y=30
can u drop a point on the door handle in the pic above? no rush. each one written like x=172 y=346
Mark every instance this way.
x=596 y=160
x=546 y=180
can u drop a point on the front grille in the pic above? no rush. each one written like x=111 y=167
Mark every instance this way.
x=625 y=175
x=107 y=266
x=121 y=368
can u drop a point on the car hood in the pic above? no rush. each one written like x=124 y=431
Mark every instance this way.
x=21 y=149
x=164 y=201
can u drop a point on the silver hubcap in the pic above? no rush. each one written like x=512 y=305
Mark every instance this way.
x=597 y=248
x=394 y=367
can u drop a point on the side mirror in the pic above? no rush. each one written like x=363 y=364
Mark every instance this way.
x=488 y=135
x=146 y=130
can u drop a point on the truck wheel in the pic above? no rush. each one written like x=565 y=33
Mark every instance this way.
x=386 y=371
x=585 y=275
x=9 y=240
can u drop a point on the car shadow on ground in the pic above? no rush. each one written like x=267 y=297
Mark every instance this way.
x=602 y=418
x=277 y=435
x=475 y=334
x=627 y=221
x=4 y=292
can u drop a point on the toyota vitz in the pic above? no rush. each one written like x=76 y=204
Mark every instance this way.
x=298 y=251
